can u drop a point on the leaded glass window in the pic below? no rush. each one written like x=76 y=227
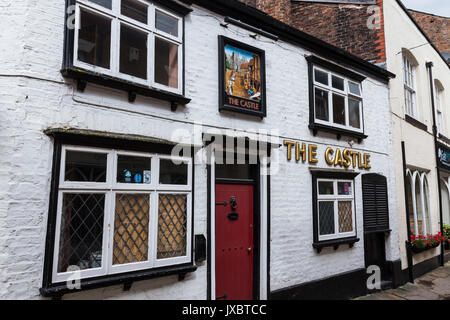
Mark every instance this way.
x=121 y=211
x=335 y=209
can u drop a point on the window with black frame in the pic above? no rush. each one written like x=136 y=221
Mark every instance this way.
x=121 y=211
x=132 y=40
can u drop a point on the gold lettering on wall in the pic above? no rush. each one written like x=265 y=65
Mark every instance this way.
x=333 y=156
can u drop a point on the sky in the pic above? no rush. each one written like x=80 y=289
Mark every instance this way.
x=438 y=7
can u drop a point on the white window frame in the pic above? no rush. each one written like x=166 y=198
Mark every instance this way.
x=344 y=93
x=117 y=19
x=336 y=198
x=421 y=177
x=439 y=111
x=409 y=83
x=110 y=188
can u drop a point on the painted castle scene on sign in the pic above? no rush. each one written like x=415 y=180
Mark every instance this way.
x=243 y=74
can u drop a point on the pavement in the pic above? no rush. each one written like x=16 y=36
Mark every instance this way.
x=434 y=285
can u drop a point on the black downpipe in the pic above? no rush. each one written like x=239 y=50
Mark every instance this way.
x=408 y=223
x=435 y=135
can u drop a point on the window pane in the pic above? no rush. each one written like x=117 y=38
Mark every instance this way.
x=134 y=169
x=166 y=23
x=81 y=237
x=345 y=188
x=171 y=173
x=172 y=226
x=345 y=216
x=326 y=187
x=131 y=223
x=133 y=52
x=134 y=10
x=338 y=109
x=166 y=63
x=354 y=113
x=94 y=40
x=104 y=3
x=354 y=88
x=321 y=77
x=321 y=104
x=338 y=83
x=326 y=217
x=85 y=166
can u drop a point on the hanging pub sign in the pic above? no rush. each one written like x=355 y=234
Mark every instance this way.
x=241 y=78
x=444 y=157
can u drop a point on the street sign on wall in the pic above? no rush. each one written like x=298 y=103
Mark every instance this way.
x=444 y=157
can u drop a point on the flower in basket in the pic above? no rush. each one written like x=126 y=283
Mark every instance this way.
x=419 y=241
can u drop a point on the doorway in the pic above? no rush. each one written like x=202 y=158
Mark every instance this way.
x=234 y=241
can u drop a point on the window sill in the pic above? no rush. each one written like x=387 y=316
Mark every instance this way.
x=83 y=76
x=338 y=131
x=335 y=243
x=127 y=279
x=416 y=123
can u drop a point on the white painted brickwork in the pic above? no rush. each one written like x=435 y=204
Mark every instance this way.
x=34 y=96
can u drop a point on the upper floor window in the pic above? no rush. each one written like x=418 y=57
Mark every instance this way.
x=439 y=106
x=410 y=87
x=337 y=101
x=132 y=40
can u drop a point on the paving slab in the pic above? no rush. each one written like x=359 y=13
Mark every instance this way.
x=434 y=285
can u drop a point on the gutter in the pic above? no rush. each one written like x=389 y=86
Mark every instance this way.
x=254 y=17
x=429 y=66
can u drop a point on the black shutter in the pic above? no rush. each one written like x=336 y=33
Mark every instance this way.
x=375 y=203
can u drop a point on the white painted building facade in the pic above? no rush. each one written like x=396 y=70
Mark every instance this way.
x=45 y=116
x=412 y=94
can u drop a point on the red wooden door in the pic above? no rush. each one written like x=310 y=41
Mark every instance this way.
x=234 y=242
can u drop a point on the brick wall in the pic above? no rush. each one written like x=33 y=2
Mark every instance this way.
x=437 y=29
x=342 y=25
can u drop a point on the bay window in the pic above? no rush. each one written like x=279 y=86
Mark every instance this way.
x=131 y=40
x=120 y=211
x=336 y=99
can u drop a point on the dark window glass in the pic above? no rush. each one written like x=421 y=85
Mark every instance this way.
x=166 y=63
x=326 y=188
x=166 y=23
x=321 y=104
x=171 y=173
x=104 y=3
x=134 y=10
x=85 y=166
x=326 y=217
x=132 y=169
x=235 y=171
x=133 y=52
x=354 y=113
x=81 y=238
x=338 y=83
x=338 y=109
x=94 y=40
x=321 y=77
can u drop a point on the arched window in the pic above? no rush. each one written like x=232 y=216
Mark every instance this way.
x=418 y=196
x=445 y=194
x=409 y=80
